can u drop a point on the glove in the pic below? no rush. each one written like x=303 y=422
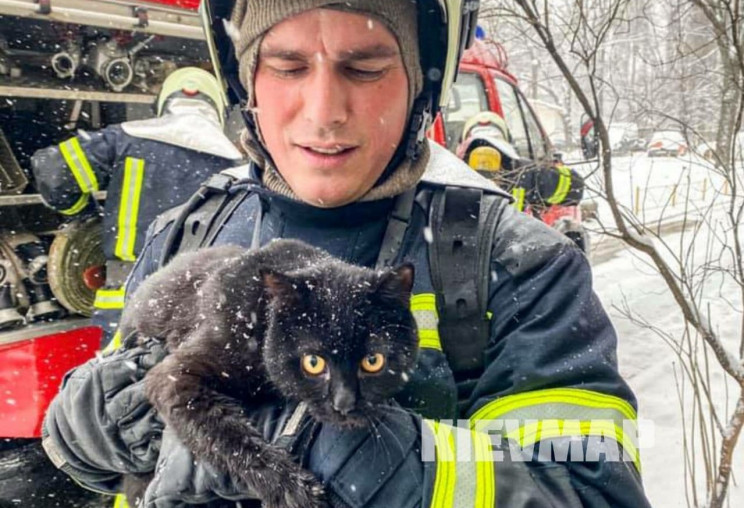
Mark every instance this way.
x=341 y=458
x=181 y=480
x=101 y=424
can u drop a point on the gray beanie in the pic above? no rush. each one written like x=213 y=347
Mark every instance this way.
x=251 y=19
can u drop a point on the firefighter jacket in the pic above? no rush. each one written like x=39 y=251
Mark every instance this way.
x=146 y=167
x=536 y=184
x=550 y=379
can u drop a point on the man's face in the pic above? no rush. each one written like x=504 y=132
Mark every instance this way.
x=332 y=98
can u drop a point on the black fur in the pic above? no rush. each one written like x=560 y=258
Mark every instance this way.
x=238 y=323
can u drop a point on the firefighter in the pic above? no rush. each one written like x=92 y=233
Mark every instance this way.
x=487 y=148
x=335 y=97
x=146 y=166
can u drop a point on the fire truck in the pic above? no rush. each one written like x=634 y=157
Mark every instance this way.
x=64 y=65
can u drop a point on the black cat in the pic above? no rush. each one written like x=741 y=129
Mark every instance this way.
x=287 y=320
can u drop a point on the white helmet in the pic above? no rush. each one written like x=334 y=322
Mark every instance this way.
x=192 y=82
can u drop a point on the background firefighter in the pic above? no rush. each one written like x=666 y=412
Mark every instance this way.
x=487 y=148
x=146 y=166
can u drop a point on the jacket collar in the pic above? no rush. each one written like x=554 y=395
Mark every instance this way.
x=188 y=123
x=446 y=169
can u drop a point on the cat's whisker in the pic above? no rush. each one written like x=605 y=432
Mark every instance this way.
x=377 y=435
x=396 y=325
x=402 y=448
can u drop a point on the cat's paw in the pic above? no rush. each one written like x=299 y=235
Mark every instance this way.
x=300 y=489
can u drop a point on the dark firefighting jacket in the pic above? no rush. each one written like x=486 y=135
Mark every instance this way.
x=543 y=187
x=146 y=167
x=550 y=377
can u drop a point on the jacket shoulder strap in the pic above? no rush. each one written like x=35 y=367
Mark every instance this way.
x=463 y=221
x=198 y=221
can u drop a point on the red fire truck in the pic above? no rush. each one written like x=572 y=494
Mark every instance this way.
x=64 y=65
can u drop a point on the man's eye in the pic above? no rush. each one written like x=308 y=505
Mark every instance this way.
x=288 y=72
x=365 y=74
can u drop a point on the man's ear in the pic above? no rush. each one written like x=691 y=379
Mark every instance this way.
x=396 y=284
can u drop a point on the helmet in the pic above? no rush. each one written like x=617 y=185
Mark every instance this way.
x=484 y=159
x=446 y=29
x=485 y=119
x=486 y=144
x=192 y=82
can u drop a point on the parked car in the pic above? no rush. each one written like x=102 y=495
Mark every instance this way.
x=709 y=149
x=624 y=137
x=667 y=144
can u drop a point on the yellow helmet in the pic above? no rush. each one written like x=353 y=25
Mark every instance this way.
x=485 y=159
x=190 y=81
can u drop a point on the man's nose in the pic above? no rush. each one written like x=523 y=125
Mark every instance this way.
x=344 y=400
x=325 y=97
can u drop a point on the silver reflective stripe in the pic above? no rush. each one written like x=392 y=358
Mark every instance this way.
x=562 y=412
x=466 y=481
x=424 y=310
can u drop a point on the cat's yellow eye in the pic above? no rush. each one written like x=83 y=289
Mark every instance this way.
x=373 y=363
x=313 y=364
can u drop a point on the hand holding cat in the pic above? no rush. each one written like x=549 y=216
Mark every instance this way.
x=112 y=387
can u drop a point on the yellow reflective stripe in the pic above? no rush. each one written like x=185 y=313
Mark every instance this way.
x=518 y=195
x=78 y=206
x=109 y=299
x=79 y=165
x=462 y=483
x=564 y=185
x=424 y=301
x=485 y=483
x=121 y=501
x=533 y=432
x=134 y=170
x=429 y=339
x=446 y=475
x=424 y=310
x=590 y=408
x=500 y=407
x=114 y=344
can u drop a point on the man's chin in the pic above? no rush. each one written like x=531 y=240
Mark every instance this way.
x=329 y=199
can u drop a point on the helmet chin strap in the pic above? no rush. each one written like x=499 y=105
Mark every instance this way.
x=412 y=143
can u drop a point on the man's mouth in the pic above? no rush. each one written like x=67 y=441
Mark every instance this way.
x=329 y=150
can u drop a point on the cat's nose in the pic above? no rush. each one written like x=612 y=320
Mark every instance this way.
x=344 y=401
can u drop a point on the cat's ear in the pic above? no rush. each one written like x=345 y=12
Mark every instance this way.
x=278 y=285
x=397 y=284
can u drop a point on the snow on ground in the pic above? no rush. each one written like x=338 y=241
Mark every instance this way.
x=657 y=188
x=646 y=361
x=648 y=364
